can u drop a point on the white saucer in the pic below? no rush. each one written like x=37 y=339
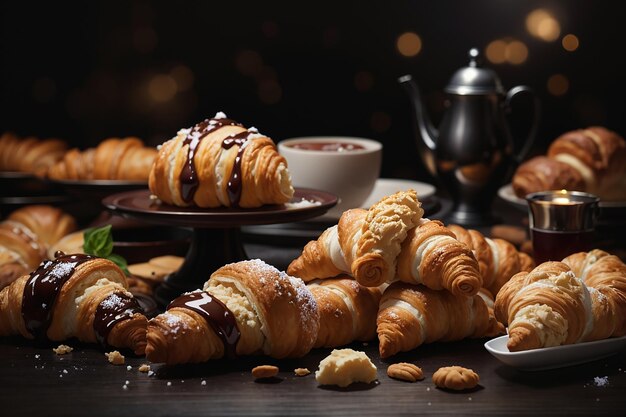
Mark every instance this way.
x=506 y=193
x=383 y=188
x=557 y=356
x=388 y=186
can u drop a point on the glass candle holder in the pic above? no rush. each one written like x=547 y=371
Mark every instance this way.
x=561 y=223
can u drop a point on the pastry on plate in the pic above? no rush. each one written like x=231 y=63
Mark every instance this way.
x=218 y=163
x=30 y=154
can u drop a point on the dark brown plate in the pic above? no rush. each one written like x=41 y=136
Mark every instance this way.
x=140 y=204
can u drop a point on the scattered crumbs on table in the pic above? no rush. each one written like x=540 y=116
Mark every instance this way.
x=169 y=383
x=366 y=344
x=62 y=349
x=182 y=380
x=427 y=388
x=150 y=373
x=144 y=367
x=126 y=382
x=37 y=356
x=203 y=382
x=60 y=375
x=65 y=371
x=128 y=368
x=124 y=386
x=429 y=403
x=115 y=357
x=601 y=381
x=469 y=398
x=597 y=399
x=301 y=371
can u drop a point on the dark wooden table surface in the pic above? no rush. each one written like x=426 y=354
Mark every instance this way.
x=34 y=381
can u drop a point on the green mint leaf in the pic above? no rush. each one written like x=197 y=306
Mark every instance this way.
x=98 y=241
x=119 y=261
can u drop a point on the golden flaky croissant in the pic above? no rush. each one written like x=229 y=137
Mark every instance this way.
x=592 y=160
x=347 y=310
x=384 y=229
x=432 y=256
x=113 y=159
x=74 y=296
x=498 y=259
x=29 y=154
x=217 y=163
x=411 y=315
x=26 y=235
x=246 y=308
x=552 y=306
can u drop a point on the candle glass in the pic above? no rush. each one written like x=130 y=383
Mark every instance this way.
x=561 y=223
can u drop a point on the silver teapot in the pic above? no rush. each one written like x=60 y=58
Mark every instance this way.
x=472 y=153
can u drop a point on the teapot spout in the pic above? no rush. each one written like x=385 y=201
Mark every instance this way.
x=425 y=132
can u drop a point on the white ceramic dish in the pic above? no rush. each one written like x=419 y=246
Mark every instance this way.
x=388 y=186
x=554 y=357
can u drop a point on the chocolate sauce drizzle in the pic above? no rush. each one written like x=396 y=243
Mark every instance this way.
x=116 y=307
x=217 y=315
x=188 y=176
x=234 y=182
x=42 y=288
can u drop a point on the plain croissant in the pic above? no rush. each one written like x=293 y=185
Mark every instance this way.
x=347 y=311
x=553 y=304
x=498 y=259
x=74 y=296
x=411 y=315
x=29 y=154
x=245 y=308
x=26 y=235
x=220 y=163
x=592 y=160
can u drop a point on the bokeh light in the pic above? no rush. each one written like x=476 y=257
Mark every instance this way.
x=570 y=42
x=409 y=44
x=516 y=52
x=508 y=50
x=162 y=88
x=183 y=76
x=558 y=84
x=496 y=51
x=248 y=62
x=543 y=25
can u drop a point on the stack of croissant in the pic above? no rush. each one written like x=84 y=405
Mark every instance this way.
x=433 y=288
x=581 y=299
x=591 y=160
x=25 y=237
x=112 y=159
x=30 y=154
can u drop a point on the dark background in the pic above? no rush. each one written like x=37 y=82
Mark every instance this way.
x=89 y=70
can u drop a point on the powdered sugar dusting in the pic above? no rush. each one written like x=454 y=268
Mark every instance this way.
x=302 y=204
x=601 y=381
x=174 y=323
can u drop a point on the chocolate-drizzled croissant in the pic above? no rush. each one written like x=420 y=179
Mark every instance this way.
x=217 y=163
x=74 y=296
x=245 y=308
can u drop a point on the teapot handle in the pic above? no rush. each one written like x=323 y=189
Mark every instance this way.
x=532 y=133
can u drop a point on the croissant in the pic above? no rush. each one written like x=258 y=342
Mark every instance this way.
x=29 y=154
x=220 y=163
x=384 y=229
x=347 y=311
x=25 y=237
x=411 y=315
x=606 y=274
x=498 y=259
x=245 y=308
x=113 y=159
x=74 y=296
x=551 y=306
x=592 y=160
x=432 y=256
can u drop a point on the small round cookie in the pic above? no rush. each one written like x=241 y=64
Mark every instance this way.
x=405 y=372
x=455 y=378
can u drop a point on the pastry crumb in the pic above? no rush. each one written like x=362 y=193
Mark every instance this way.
x=455 y=378
x=144 y=367
x=115 y=358
x=62 y=349
x=344 y=367
x=301 y=371
x=264 y=371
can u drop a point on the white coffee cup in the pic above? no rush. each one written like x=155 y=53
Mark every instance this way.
x=347 y=167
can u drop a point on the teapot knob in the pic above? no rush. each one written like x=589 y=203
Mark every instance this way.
x=474 y=54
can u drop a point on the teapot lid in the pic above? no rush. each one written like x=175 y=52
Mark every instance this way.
x=474 y=80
